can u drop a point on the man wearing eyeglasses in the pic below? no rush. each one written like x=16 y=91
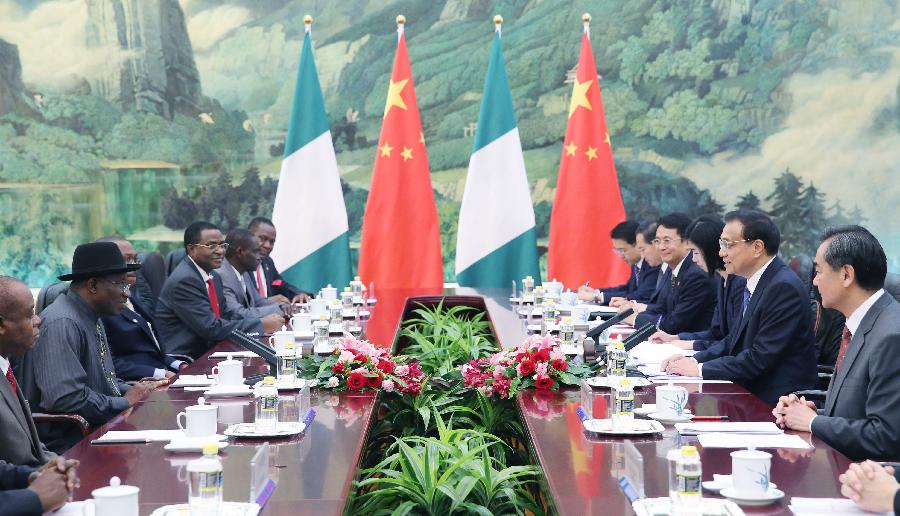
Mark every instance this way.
x=192 y=312
x=70 y=370
x=771 y=352
x=133 y=338
x=687 y=297
x=641 y=283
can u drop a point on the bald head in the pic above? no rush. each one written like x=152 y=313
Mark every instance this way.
x=18 y=322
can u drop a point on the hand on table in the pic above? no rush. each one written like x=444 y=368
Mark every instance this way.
x=585 y=293
x=617 y=302
x=794 y=413
x=302 y=297
x=680 y=365
x=143 y=388
x=661 y=336
x=63 y=466
x=51 y=487
x=280 y=299
x=272 y=323
x=870 y=485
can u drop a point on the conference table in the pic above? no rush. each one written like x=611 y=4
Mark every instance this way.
x=315 y=471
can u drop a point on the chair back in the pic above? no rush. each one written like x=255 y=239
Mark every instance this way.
x=48 y=295
x=892 y=284
x=174 y=258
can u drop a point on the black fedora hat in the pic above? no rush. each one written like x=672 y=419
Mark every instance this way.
x=97 y=259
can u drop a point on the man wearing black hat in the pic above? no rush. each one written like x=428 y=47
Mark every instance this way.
x=70 y=370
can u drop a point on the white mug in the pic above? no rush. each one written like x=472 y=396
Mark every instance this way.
x=229 y=372
x=553 y=288
x=750 y=471
x=318 y=306
x=231 y=412
x=283 y=340
x=568 y=298
x=200 y=419
x=329 y=293
x=301 y=322
x=671 y=400
x=112 y=500
x=580 y=314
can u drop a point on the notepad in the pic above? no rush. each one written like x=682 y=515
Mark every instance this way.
x=233 y=354
x=731 y=440
x=828 y=507
x=192 y=380
x=728 y=427
x=128 y=436
x=649 y=353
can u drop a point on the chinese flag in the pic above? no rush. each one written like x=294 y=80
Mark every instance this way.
x=588 y=202
x=401 y=242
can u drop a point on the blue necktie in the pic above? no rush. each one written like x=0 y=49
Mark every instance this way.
x=637 y=274
x=745 y=302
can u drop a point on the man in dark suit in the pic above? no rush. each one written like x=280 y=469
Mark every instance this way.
x=241 y=294
x=25 y=491
x=640 y=284
x=133 y=339
x=771 y=352
x=19 y=441
x=191 y=313
x=687 y=297
x=860 y=418
x=268 y=281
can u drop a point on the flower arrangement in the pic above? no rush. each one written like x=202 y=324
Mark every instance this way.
x=538 y=362
x=358 y=365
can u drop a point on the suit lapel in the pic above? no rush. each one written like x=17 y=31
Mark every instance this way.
x=758 y=294
x=15 y=405
x=135 y=318
x=857 y=343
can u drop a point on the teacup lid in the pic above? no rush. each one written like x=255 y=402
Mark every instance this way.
x=229 y=361
x=201 y=405
x=114 y=489
x=751 y=453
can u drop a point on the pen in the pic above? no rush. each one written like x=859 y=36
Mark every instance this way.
x=121 y=441
x=709 y=418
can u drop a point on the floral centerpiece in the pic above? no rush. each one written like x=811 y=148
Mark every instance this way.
x=538 y=362
x=358 y=365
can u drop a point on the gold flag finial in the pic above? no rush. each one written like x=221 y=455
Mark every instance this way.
x=586 y=18
x=307 y=20
x=401 y=19
x=498 y=20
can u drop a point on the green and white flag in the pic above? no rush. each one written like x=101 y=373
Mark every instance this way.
x=496 y=240
x=313 y=245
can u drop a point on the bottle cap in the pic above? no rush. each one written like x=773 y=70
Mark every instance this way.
x=567 y=320
x=528 y=277
x=619 y=344
x=688 y=451
x=323 y=317
x=355 y=278
x=346 y=289
x=269 y=380
x=211 y=449
x=624 y=382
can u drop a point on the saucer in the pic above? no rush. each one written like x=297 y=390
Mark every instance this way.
x=720 y=482
x=669 y=420
x=193 y=444
x=648 y=408
x=282 y=429
x=771 y=496
x=228 y=390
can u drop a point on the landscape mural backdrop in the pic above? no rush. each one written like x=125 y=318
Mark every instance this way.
x=138 y=116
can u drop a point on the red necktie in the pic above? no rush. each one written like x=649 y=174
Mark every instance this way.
x=213 y=300
x=12 y=381
x=259 y=281
x=845 y=343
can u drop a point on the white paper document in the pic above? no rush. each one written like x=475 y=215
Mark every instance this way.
x=828 y=507
x=233 y=354
x=752 y=427
x=649 y=353
x=674 y=378
x=114 y=436
x=717 y=440
x=192 y=380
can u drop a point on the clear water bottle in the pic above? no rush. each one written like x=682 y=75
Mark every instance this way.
x=336 y=312
x=287 y=367
x=347 y=298
x=688 y=473
x=549 y=316
x=616 y=358
x=623 y=415
x=538 y=296
x=567 y=332
x=266 y=405
x=205 y=489
x=527 y=286
x=356 y=286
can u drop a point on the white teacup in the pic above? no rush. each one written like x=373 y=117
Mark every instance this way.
x=200 y=419
x=318 y=306
x=231 y=413
x=283 y=341
x=329 y=293
x=580 y=314
x=301 y=322
x=553 y=288
x=750 y=470
x=671 y=400
x=112 y=500
x=230 y=371
x=568 y=298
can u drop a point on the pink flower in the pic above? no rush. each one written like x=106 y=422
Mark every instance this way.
x=402 y=370
x=346 y=356
x=541 y=368
x=387 y=386
x=333 y=382
x=557 y=354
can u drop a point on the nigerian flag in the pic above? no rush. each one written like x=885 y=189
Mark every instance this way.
x=496 y=241
x=313 y=246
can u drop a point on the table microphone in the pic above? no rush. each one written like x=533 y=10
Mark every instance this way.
x=593 y=333
x=250 y=344
x=639 y=336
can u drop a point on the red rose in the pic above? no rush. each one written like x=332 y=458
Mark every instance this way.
x=521 y=356
x=337 y=368
x=374 y=381
x=386 y=366
x=559 y=364
x=526 y=368
x=356 y=381
x=542 y=355
x=544 y=382
x=414 y=370
x=360 y=357
x=414 y=388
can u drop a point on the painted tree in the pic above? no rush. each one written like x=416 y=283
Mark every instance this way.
x=785 y=199
x=748 y=201
x=813 y=218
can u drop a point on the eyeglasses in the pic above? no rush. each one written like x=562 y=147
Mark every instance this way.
x=665 y=241
x=728 y=244
x=122 y=285
x=212 y=247
x=132 y=262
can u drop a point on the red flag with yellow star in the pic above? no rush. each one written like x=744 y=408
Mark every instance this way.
x=401 y=242
x=587 y=203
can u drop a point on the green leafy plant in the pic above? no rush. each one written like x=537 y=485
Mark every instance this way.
x=443 y=338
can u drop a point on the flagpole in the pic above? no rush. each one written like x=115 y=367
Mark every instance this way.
x=586 y=18
x=498 y=25
x=401 y=21
x=307 y=22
